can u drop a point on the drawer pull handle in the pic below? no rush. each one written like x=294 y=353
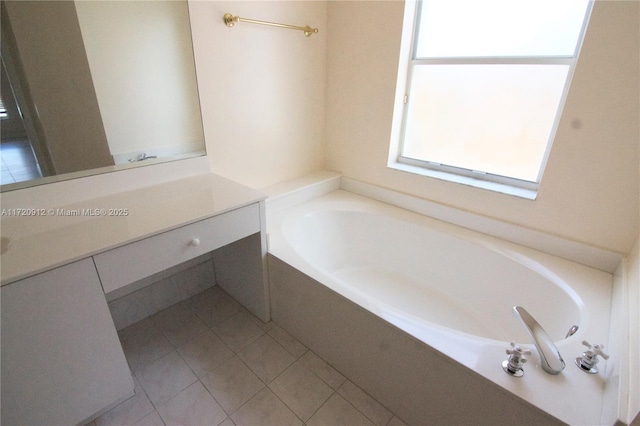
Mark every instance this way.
x=195 y=242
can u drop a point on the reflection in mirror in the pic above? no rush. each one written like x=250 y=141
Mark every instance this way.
x=95 y=86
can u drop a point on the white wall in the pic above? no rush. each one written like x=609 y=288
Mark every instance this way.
x=142 y=66
x=262 y=89
x=590 y=190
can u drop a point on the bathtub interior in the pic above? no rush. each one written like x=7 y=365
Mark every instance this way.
x=430 y=277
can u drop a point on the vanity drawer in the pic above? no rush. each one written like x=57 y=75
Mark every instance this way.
x=132 y=262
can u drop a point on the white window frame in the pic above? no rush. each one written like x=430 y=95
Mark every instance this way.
x=480 y=179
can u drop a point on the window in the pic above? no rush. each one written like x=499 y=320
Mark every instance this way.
x=484 y=87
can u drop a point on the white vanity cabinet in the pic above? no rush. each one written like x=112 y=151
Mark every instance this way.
x=62 y=361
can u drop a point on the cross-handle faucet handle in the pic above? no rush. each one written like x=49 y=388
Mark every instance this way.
x=513 y=365
x=518 y=350
x=595 y=349
x=587 y=362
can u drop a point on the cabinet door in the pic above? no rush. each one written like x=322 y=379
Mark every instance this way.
x=62 y=361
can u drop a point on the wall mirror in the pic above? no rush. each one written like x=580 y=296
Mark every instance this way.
x=95 y=86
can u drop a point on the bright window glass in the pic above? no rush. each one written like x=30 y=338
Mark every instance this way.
x=500 y=28
x=486 y=85
x=491 y=118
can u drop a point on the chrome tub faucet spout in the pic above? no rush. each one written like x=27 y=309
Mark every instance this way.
x=550 y=357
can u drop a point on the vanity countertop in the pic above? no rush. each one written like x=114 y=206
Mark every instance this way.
x=37 y=240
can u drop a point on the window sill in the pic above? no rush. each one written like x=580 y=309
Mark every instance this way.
x=528 y=194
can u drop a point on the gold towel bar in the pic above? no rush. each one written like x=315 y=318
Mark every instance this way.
x=230 y=21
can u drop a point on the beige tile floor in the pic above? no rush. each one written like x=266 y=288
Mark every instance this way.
x=208 y=361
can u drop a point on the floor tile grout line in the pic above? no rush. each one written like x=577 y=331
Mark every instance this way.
x=153 y=404
x=334 y=391
x=189 y=385
x=174 y=349
x=235 y=354
x=246 y=402
x=159 y=330
x=133 y=396
x=211 y=328
x=265 y=384
x=198 y=378
x=290 y=409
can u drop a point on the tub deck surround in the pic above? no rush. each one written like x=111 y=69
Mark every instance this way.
x=58 y=235
x=295 y=191
x=348 y=244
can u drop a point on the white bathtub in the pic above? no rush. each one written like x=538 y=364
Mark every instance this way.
x=452 y=289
